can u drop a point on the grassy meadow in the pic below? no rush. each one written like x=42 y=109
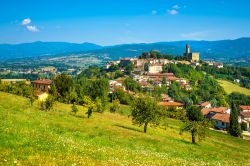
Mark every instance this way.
x=231 y=87
x=29 y=136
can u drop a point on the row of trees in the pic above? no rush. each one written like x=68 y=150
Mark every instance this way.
x=157 y=55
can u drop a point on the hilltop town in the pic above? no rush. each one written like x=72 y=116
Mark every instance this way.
x=173 y=97
x=157 y=75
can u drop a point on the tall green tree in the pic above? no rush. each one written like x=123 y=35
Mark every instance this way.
x=234 y=127
x=144 y=111
x=195 y=123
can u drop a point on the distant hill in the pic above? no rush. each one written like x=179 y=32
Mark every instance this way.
x=13 y=51
x=223 y=50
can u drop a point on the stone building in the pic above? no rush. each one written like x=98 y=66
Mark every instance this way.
x=191 y=56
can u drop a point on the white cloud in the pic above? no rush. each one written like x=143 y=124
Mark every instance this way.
x=172 y=12
x=26 y=21
x=154 y=12
x=32 y=28
x=176 y=7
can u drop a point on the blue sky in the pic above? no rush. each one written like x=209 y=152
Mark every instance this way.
x=109 y=22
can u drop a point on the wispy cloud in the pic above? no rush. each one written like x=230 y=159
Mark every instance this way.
x=26 y=21
x=154 y=12
x=32 y=28
x=176 y=7
x=173 y=12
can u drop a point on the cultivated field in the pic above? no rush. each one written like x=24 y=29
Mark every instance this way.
x=29 y=136
x=231 y=87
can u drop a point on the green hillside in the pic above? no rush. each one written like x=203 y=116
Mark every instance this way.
x=231 y=87
x=29 y=136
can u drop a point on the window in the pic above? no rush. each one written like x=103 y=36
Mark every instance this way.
x=223 y=124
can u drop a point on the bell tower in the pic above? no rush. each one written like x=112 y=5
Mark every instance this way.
x=187 y=49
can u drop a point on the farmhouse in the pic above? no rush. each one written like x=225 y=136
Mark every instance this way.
x=219 y=115
x=221 y=120
x=41 y=84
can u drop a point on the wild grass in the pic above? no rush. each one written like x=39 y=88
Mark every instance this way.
x=29 y=136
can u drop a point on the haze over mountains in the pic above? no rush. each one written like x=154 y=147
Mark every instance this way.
x=223 y=49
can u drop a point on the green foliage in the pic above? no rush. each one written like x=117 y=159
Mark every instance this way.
x=74 y=108
x=129 y=68
x=90 y=104
x=234 y=127
x=115 y=107
x=48 y=104
x=158 y=55
x=174 y=113
x=145 y=111
x=131 y=85
x=195 y=124
x=19 y=88
x=123 y=97
x=229 y=73
x=91 y=72
x=63 y=84
x=239 y=99
x=100 y=106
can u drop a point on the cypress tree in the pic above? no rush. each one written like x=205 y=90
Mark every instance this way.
x=234 y=128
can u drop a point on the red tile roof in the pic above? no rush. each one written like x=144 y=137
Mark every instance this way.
x=160 y=74
x=222 y=117
x=177 y=104
x=206 y=111
x=245 y=107
x=42 y=81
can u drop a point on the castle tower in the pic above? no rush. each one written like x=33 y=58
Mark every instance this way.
x=187 y=49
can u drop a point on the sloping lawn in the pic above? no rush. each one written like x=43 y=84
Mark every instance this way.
x=29 y=136
x=231 y=87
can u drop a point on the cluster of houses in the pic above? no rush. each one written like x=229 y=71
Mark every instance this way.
x=221 y=115
x=216 y=64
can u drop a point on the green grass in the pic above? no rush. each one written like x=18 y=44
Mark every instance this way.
x=32 y=137
x=231 y=87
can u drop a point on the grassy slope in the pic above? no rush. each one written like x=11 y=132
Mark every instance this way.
x=30 y=136
x=231 y=87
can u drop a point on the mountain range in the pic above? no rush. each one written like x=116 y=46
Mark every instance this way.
x=221 y=49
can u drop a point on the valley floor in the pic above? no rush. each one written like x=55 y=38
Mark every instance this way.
x=29 y=136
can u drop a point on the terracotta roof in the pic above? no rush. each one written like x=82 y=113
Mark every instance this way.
x=222 y=117
x=245 y=107
x=204 y=104
x=160 y=74
x=171 y=78
x=245 y=114
x=206 y=111
x=171 y=104
x=42 y=81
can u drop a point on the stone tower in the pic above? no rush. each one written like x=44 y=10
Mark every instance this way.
x=187 y=49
